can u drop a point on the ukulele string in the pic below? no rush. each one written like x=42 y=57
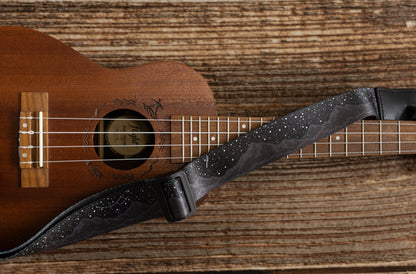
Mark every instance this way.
x=203 y=119
x=333 y=142
x=194 y=132
x=209 y=144
x=128 y=132
x=315 y=154
x=358 y=153
x=106 y=160
x=109 y=146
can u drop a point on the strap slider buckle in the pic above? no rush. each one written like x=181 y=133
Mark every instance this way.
x=177 y=198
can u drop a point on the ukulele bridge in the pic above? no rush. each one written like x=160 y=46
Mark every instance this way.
x=33 y=141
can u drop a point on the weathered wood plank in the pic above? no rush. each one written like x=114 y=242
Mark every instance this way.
x=261 y=59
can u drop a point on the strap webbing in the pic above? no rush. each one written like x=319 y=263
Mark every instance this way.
x=279 y=138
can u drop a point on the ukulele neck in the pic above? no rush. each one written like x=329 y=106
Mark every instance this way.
x=193 y=136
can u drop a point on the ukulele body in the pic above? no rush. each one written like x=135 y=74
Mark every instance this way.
x=80 y=164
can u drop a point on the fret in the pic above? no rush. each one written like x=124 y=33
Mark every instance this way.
x=307 y=152
x=249 y=124
x=330 y=146
x=362 y=138
x=238 y=126
x=259 y=122
x=370 y=132
x=191 y=138
x=381 y=137
x=389 y=138
x=228 y=129
x=183 y=128
x=346 y=141
x=209 y=134
x=398 y=137
x=223 y=133
x=183 y=139
x=218 y=131
x=199 y=136
x=407 y=137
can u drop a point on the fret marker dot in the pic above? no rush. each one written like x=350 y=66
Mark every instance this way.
x=24 y=155
x=337 y=138
x=244 y=126
x=195 y=139
x=25 y=125
x=213 y=138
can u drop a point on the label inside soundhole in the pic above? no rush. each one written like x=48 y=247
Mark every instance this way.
x=127 y=144
x=124 y=139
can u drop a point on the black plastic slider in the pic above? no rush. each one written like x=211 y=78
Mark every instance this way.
x=177 y=198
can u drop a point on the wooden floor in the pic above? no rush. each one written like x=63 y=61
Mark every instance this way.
x=263 y=58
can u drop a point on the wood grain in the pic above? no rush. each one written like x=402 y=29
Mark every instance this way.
x=260 y=59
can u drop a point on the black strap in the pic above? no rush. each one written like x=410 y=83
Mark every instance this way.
x=279 y=138
x=174 y=197
x=396 y=104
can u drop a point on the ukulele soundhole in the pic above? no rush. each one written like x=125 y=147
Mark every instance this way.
x=124 y=139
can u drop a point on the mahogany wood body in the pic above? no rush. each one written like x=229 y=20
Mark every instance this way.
x=34 y=62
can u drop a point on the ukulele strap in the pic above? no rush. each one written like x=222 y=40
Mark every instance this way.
x=174 y=197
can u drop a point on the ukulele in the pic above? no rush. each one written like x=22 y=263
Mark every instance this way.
x=71 y=128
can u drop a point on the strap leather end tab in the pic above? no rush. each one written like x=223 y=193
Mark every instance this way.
x=396 y=104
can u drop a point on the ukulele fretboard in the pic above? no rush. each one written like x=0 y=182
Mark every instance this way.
x=193 y=136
